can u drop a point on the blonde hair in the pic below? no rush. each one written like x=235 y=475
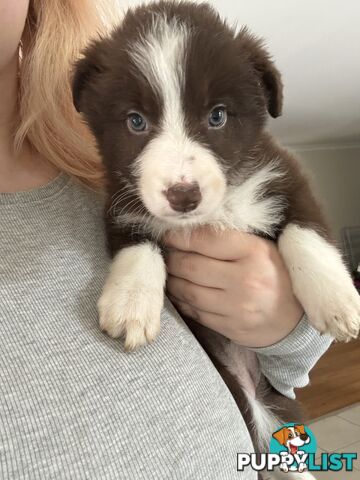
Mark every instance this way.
x=55 y=33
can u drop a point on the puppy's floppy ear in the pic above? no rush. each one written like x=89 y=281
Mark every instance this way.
x=269 y=76
x=300 y=428
x=85 y=71
x=280 y=436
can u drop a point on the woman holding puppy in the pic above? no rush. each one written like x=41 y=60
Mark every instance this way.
x=73 y=404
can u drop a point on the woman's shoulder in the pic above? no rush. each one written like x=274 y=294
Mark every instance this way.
x=85 y=195
x=165 y=399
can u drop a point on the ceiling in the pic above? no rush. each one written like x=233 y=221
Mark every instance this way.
x=316 y=46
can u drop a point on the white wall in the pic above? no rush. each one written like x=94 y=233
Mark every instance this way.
x=335 y=174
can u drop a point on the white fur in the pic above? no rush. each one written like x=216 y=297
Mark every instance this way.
x=264 y=420
x=166 y=161
x=245 y=207
x=133 y=295
x=172 y=157
x=160 y=56
x=321 y=282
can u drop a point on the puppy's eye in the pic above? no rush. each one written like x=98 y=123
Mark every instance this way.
x=136 y=122
x=218 y=117
x=290 y=435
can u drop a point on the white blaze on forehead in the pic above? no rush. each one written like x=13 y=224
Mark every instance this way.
x=160 y=55
x=171 y=156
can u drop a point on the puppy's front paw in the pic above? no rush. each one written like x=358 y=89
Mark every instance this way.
x=339 y=316
x=132 y=313
x=133 y=295
x=321 y=282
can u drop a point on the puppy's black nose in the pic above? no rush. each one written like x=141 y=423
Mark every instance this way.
x=304 y=436
x=183 y=197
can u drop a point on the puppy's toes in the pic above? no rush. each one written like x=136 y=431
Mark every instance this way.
x=344 y=327
x=133 y=312
x=110 y=320
x=135 y=335
x=140 y=332
x=152 y=329
x=339 y=315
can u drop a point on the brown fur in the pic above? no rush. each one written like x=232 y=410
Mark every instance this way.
x=106 y=85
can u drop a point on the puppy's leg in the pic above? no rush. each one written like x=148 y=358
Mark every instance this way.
x=133 y=295
x=321 y=282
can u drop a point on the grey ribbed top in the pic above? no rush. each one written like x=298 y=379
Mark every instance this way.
x=73 y=404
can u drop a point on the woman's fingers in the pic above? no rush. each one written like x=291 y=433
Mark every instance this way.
x=204 y=271
x=196 y=296
x=184 y=308
x=210 y=320
x=213 y=321
x=224 y=245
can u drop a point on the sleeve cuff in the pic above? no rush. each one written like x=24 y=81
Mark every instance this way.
x=302 y=335
x=287 y=364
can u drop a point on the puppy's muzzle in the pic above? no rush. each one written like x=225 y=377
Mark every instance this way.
x=183 y=197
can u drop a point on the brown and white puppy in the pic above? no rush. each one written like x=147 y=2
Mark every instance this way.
x=178 y=101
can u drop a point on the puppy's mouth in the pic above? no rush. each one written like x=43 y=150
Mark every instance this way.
x=183 y=217
x=190 y=214
x=183 y=203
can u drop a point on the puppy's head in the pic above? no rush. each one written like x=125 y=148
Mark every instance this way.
x=176 y=99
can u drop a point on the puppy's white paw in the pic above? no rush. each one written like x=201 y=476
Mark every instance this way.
x=133 y=295
x=338 y=315
x=134 y=314
x=321 y=282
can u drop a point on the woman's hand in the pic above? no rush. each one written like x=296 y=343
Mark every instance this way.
x=234 y=283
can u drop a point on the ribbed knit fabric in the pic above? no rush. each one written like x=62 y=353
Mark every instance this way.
x=287 y=363
x=73 y=404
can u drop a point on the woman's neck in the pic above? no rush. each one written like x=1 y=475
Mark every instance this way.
x=22 y=170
